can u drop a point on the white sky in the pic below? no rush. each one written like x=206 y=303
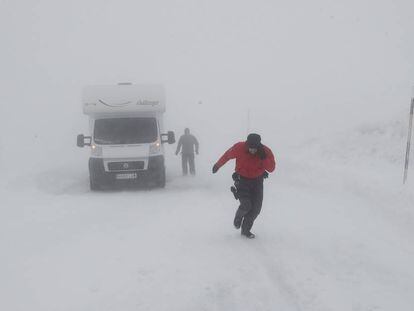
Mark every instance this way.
x=301 y=67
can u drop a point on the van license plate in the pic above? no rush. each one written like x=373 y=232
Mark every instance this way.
x=126 y=176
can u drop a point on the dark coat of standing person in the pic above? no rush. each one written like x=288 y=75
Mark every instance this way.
x=253 y=162
x=188 y=145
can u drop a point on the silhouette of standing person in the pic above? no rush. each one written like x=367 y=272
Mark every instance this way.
x=188 y=145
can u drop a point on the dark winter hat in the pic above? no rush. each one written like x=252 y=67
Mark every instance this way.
x=253 y=140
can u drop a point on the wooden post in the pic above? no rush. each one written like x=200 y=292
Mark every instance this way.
x=407 y=151
x=248 y=122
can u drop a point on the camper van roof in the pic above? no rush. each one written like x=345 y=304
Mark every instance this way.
x=123 y=98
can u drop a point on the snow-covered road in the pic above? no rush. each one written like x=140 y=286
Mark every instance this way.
x=327 y=85
x=322 y=244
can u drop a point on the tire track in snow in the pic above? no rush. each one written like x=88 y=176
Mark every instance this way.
x=259 y=258
x=279 y=278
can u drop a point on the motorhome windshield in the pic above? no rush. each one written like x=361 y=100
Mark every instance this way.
x=125 y=131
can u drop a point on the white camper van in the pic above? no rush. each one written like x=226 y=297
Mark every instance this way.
x=126 y=134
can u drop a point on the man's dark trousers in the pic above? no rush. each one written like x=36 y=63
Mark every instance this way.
x=188 y=159
x=250 y=192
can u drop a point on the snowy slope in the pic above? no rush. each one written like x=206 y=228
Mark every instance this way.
x=326 y=83
x=331 y=237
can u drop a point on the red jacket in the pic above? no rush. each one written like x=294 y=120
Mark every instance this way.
x=248 y=165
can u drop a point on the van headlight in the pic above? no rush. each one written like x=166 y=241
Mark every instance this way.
x=96 y=150
x=155 y=148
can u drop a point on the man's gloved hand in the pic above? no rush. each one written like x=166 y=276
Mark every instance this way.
x=265 y=174
x=261 y=152
x=234 y=191
x=235 y=176
x=215 y=168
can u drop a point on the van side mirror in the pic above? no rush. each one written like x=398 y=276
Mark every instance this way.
x=82 y=140
x=168 y=138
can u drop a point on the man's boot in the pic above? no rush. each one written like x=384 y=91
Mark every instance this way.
x=248 y=235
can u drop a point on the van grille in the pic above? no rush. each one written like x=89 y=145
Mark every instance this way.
x=126 y=166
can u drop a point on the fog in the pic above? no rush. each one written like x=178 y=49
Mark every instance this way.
x=326 y=83
x=301 y=68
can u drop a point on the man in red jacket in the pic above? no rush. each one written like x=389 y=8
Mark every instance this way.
x=253 y=162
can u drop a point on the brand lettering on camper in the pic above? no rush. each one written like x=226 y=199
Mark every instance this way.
x=147 y=102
